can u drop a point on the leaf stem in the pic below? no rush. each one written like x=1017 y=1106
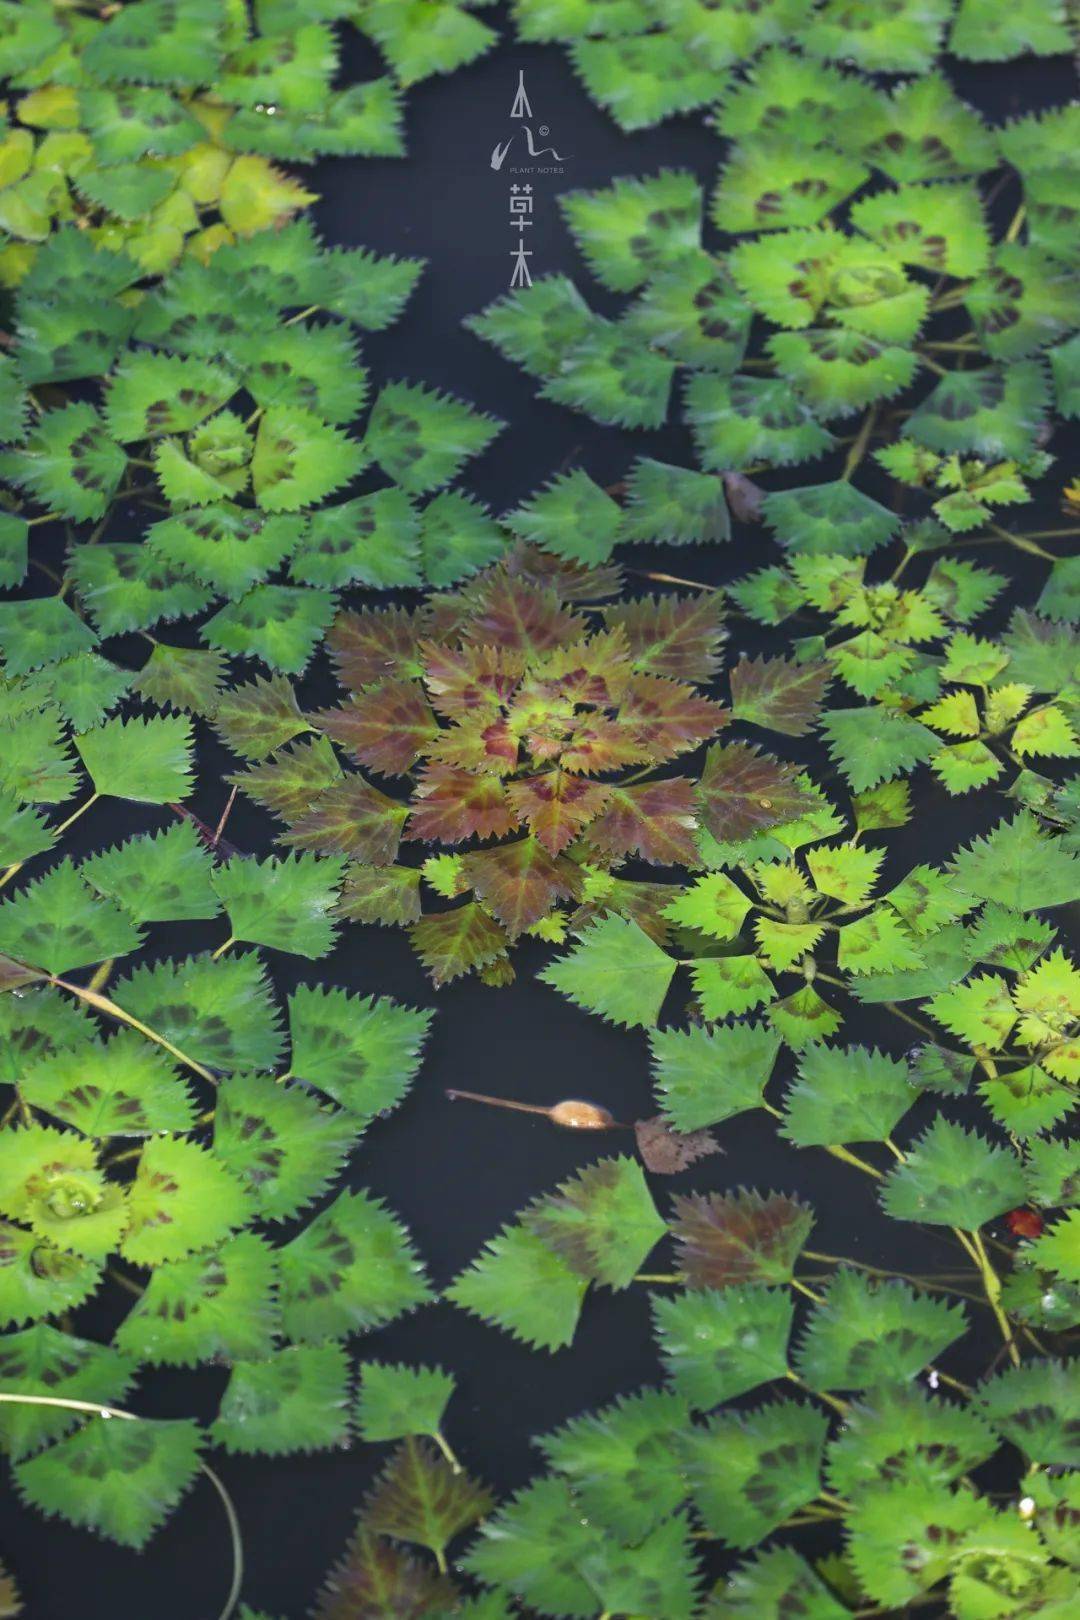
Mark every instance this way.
x=105 y=1005
x=94 y=1409
x=830 y=1400
x=811 y=1293
x=222 y=948
x=862 y=441
x=992 y=1284
x=443 y=1445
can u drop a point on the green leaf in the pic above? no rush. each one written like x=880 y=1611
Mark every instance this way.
x=903 y=1433
x=226 y=547
x=295 y=1400
x=872 y=744
x=180 y=1200
x=419 y=38
x=615 y=970
x=220 y=1013
x=119 y=1479
x=121 y=1087
x=572 y=517
x=1034 y=1407
x=40 y=632
x=603 y=1223
x=421 y=439
x=60 y=924
x=279 y=1142
x=280 y=624
x=521 y=1285
x=834 y=520
x=352 y=1268
x=674 y=505
x=69 y=462
x=156 y=877
x=778 y=1582
x=298 y=460
x=152 y=394
x=182 y=678
x=372 y=540
x=866 y=1334
x=395 y=1401
x=37 y=1279
x=876 y=943
x=643 y=79
x=420 y=1498
x=771 y=1467
x=692 y=312
x=286 y=904
x=938 y=227
x=903 y=1538
x=42 y=1361
x=362 y=1052
x=705 y=1076
x=770 y=185
x=125 y=587
x=738 y=421
x=451 y=943
x=984 y=32
x=146 y=760
x=1019 y=866
x=848 y=1094
x=537 y=326
x=952 y=1177
x=739 y=1237
x=623 y=1461
x=458 y=537
x=218 y=1305
x=717 y=1343
x=993 y=413
x=633 y=228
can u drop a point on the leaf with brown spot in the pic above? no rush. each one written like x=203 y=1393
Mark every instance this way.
x=419 y=1498
x=450 y=943
x=779 y=693
x=557 y=806
x=744 y=496
x=452 y=805
x=743 y=792
x=375 y=646
x=351 y=818
x=739 y=1237
x=385 y=727
x=666 y=1151
x=655 y=820
x=677 y=636
x=520 y=882
x=378 y=1581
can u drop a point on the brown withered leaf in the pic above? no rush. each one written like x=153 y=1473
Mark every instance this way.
x=665 y=1151
x=351 y=818
x=451 y=805
x=739 y=1237
x=520 y=882
x=744 y=496
x=556 y=805
x=420 y=1498
x=778 y=693
x=374 y=646
x=450 y=943
x=678 y=636
x=743 y=792
x=387 y=727
x=376 y=1578
x=654 y=820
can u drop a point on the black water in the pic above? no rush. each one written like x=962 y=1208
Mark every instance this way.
x=455 y=1172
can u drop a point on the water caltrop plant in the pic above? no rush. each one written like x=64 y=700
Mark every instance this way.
x=240 y=568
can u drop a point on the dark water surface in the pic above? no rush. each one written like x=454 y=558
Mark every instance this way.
x=454 y=1172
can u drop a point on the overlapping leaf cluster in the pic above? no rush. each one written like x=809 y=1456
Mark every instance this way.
x=210 y=487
